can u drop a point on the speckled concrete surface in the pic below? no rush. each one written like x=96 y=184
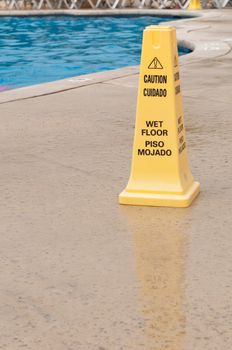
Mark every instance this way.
x=80 y=272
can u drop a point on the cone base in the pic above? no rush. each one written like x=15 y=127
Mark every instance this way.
x=194 y=8
x=160 y=199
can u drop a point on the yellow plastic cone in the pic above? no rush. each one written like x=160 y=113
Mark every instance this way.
x=160 y=174
x=195 y=5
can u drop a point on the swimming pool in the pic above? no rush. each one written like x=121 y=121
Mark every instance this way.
x=40 y=49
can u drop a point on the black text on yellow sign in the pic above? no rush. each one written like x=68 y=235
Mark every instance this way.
x=160 y=173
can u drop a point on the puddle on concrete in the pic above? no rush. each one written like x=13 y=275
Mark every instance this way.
x=159 y=250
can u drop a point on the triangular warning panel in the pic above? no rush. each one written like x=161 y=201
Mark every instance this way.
x=155 y=64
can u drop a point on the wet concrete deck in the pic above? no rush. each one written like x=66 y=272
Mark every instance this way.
x=80 y=272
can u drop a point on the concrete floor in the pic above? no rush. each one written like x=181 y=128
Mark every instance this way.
x=80 y=272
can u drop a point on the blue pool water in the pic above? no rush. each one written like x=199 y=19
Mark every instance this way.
x=40 y=49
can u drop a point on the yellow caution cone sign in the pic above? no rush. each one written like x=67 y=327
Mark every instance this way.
x=195 y=5
x=160 y=174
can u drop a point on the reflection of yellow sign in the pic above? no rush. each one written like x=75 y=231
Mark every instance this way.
x=159 y=246
x=160 y=174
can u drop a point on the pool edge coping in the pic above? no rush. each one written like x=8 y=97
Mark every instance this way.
x=202 y=49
